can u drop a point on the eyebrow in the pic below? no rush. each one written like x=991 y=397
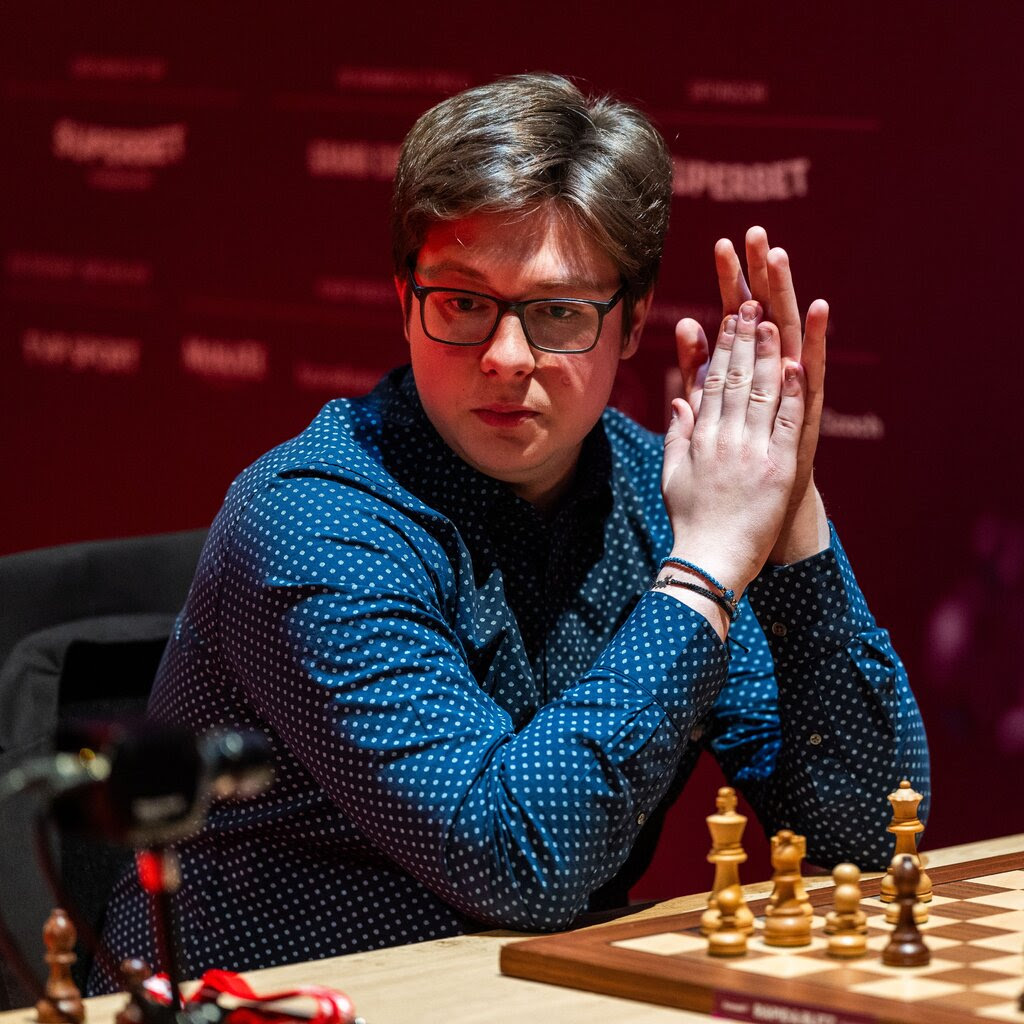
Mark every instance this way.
x=553 y=285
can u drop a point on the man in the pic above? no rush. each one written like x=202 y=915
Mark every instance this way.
x=436 y=601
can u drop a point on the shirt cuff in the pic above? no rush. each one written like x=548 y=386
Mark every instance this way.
x=810 y=608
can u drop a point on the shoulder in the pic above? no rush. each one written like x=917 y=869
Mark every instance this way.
x=322 y=493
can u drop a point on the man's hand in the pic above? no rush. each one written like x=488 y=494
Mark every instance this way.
x=804 y=530
x=728 y=473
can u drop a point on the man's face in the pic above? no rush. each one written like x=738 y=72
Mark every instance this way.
x=509 y=410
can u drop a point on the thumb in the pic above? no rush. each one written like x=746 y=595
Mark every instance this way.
x=680 y=428
x=692 y=354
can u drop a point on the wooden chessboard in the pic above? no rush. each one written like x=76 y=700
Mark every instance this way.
x=975 y=931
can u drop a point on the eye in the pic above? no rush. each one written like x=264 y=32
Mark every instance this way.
x=559 y=310
x=464 y=304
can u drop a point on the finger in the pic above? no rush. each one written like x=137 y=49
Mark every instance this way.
x=718 y=368
x=813 y=356
x=738 y=378
x=732 y=285
x=680 y=427
x=757 y=267
x=692 y=355
x=788 y=428
x=766 y=382
x=785 y=312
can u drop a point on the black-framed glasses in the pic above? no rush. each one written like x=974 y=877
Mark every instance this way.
x=454 y=316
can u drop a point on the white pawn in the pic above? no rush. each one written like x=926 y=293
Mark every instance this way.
x=846 y=925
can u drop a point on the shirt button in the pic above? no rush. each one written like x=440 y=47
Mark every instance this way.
x=779 y=628
x=641 y=818
x=814 y=739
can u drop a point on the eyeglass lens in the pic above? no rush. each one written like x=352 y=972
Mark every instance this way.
x=463 y=319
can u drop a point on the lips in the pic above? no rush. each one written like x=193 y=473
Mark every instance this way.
x=507 y=416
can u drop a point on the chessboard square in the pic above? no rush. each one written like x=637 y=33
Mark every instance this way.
x=1003 y=1011
x=817 y=942
x=966 y=953
x=1011 y=899
x=1003 y=964
x=966 y=931
x=969 y=1002
x=972 y=977
x=1008 y=942
x=779 y=966
x=846 y=977
x=1005 y=879
x=966 y=910
x=911 y=988
x=1011 y=920
x=1006 y=987
x=967 y=890
x=665 y=943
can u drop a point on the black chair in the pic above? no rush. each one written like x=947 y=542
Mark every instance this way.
x=82 y=630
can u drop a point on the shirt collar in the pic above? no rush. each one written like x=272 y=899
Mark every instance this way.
x=418 y=458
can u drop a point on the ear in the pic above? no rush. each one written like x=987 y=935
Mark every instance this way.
x=641 y=308
x=404 y=299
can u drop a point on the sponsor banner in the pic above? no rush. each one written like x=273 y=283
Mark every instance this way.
x=732 y=182
x=364 y=291
x=224 y=360
x=758 y=1010
x=28 y=265
x=117 y=158
x=866 y=426
x=117 y=68
x=727 y=92
x=358 y=159
x=80 y=352
x=406 y=79
x=337 y=379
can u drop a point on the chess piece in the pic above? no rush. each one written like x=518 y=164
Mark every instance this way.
x=788 y=913
x=846 y=925
x=63 y=1001
x=726 y=828
x=905 y=825
x=799 y=892
x=134 y=972
x=906 y=948
x=729 y=938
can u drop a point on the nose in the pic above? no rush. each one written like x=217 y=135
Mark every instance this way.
x=508 y=354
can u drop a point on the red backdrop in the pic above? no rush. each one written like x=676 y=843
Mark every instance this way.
x=195 y=257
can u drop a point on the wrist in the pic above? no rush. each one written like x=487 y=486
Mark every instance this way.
x=806 y=531
x=705 y=606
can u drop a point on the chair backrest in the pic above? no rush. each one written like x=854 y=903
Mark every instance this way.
x=82 y=630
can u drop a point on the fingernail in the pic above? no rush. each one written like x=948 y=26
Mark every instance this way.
x=790 y=374
x=764 y=332
x=749 y=311
x=730 y=325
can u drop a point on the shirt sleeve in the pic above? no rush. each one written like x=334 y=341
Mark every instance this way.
x=360 y=671
x=818 y=723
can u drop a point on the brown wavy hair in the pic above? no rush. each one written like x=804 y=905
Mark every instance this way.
x=519 y=142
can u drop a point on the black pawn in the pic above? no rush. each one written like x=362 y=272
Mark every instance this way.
x=906 y=948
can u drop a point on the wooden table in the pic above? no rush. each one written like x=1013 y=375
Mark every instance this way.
x=457 y=981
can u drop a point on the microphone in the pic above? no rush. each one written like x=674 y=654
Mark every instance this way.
x=151 y=784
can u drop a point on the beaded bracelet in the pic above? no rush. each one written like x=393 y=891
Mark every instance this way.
x=728 y=604
x=727 y=593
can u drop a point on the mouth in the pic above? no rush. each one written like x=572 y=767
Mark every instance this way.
x=507 y=416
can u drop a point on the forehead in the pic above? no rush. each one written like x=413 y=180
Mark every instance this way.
x=517 y=249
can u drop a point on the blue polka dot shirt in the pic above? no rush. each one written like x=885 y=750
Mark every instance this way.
x=474 y=709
